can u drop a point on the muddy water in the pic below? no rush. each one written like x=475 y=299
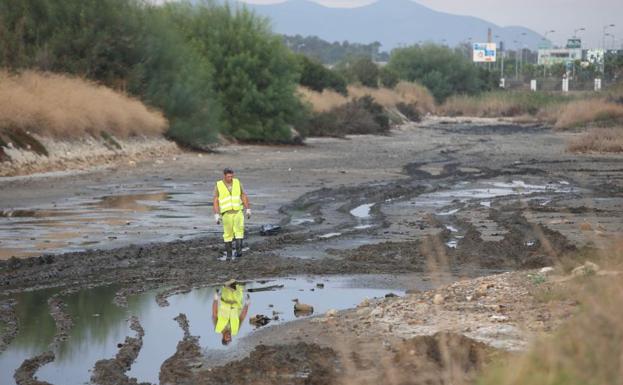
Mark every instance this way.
x=99 y=325
x=130 y=215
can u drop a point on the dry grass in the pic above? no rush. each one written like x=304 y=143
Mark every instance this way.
x=404 y=92
x=65 y=107
x=598 y=139
x=500 y=104
x=588 y=349
x=322 y=101
x=589 y=112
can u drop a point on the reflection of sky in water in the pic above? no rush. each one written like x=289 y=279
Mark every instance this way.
x=99 y=325
x=111 y=220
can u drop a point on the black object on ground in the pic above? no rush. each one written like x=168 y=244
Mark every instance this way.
x=269 y=229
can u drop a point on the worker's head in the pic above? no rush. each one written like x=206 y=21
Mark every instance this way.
x=228 y=175
x=226 y=337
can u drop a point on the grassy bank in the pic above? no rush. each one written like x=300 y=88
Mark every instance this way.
x=35 y=105
x=365 y=110
x=65 y=107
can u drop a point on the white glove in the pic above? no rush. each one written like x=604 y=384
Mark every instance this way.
x=248 y=212
x=216 y=296
x=217 y=219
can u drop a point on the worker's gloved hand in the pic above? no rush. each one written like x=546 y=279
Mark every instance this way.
x=216 y=296
x=248 y=213
x=217 y=219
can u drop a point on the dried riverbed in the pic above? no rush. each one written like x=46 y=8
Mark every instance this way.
x=441 y=200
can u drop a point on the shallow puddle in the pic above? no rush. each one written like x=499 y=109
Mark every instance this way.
x=166 y=213
x=99 y=325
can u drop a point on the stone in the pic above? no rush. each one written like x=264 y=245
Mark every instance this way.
x=378 y=312
x=546 y=270
x=438 y=299
x=498 y=318
x=364 y=303
x=331 y=313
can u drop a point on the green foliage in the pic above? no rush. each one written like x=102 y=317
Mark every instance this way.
x=178 y=79
x=255 y=75
x=359 y=70
x=388 y=77
x=443 y=71
x=332 y=53
x=359 y=116
x=317 y=77
x=410 y=111
x=210 y=68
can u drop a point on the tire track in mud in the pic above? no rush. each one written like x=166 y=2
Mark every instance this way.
x=112 y=371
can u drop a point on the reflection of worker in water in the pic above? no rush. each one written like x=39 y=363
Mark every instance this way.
x=229 y=313
x=229 y=200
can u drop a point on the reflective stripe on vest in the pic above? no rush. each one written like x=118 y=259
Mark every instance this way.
x=229 y=309
x=228 y=201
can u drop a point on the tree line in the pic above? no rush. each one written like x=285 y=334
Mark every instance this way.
x=213 y=69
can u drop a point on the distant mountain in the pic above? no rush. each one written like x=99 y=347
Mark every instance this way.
x=390 y=22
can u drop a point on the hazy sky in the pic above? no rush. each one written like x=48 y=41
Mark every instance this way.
x=539 y=15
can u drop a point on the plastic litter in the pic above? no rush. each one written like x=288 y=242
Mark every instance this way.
x=269 y=229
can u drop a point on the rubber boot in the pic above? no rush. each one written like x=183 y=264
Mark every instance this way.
x=238 y=248
x=229 y=251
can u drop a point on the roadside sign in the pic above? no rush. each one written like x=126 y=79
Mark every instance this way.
x=484 y=52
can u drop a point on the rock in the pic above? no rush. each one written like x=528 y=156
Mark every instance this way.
x=331 y=313
x=413 y=291
x=320 y=285
x=364 y=303
x=482 y=289
x=498 y=318
x=259 y=320
x=584 y=226
x=390 y=295
x=586 y=269
x=546 y=270
x=377 y=312
x=438 y=299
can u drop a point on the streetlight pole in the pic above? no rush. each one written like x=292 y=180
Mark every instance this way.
x=521 y=50
x=603 y=39
x=516 y=60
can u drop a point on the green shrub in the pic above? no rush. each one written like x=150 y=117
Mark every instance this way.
x=359 y=116
x=410 y=110
x=443 y=71
x=317 y=77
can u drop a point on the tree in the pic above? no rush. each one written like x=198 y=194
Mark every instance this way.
x=443 y=71
x=317 y=77
x=255 y=75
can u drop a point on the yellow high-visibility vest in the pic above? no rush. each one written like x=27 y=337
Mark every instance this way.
x=229 y=309
x=227 y=200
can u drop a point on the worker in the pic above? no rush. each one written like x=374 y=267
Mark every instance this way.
x=229 y=312
x=229 y=200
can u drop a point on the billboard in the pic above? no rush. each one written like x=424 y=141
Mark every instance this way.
x=484 y=52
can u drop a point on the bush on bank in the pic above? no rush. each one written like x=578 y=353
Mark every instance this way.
x=213 y=70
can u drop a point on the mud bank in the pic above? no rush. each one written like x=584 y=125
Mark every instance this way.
x=25 y=374
x=112 y=371
x=84 y=154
